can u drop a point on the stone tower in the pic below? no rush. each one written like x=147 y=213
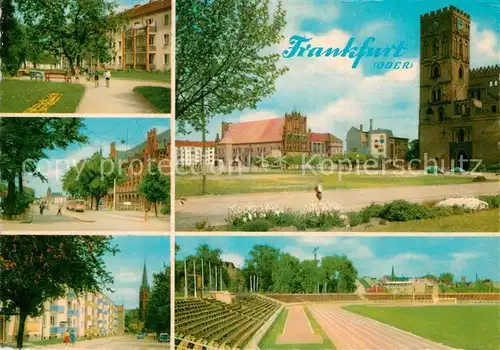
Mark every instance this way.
x=143 y=295
x=444 y=79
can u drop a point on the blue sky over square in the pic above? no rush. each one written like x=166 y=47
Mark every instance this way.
x=374 y=257
x=125 y=132
x=332 y=94
x=127 y=265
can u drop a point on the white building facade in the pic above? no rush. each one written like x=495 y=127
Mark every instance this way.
x=190 y=153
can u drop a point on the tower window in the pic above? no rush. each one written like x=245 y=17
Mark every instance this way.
x=493 y=108
x=429 y=111
x=425 y=50
x=439 y=94
x=461 y=135
x=435 y=48
x=445 y=47
x=460 y=73
x=479 y=95
x=441 y=114
x=460 y=48
x=434 y=96
x=435 y=72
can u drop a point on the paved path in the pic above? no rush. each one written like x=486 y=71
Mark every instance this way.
x=118 y=343
x=72 y=222
x=350 y=331
x=215 y=208
x=298 y=330
x=120 y=97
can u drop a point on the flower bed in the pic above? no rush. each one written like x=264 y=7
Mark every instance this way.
x=464 y=203
x=43 y=106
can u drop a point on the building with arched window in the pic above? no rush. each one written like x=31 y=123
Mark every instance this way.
x=459 y=118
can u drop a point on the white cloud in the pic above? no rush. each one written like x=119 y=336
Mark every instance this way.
x=128 y=276
x=237 y=259
x=259 y=115
x=461 y=259
x=485 y=47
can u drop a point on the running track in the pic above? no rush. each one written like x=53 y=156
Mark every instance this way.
x=350 y=331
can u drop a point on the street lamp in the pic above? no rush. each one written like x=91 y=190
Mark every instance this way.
x=250 y=155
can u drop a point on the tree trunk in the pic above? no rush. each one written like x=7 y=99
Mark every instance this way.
x=10 y=199
x=20 y=184
x=91 y=202
x=97 y=199
x=20 y=332
x=204 y=151
x=156 y=210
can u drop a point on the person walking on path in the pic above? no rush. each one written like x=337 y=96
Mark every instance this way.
x=72 y=338
x=59 y=213
x=66 y=338
x=319 y=190
x=96 y=77
x=42 y=206
x=107 y=76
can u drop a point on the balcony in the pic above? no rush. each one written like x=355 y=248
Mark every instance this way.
x=73 y=313
x=56 y=308
x=152 y=28
x=152 y=48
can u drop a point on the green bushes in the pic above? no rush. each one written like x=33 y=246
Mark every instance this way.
x=404 y=211
x=493 y=201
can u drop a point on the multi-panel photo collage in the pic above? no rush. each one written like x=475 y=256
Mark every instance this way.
x=249 y=174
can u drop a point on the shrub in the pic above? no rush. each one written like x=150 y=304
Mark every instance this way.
x=258 y=225
x=373 y=211
x=356 y=219
x=493 y=201
x=401 y=210
x=479 y=179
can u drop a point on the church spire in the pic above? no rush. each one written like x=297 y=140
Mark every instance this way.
x=393 y=275
x=144 y=283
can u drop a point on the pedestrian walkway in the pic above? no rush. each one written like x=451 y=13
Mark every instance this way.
x=298 y=329
x=120 y=97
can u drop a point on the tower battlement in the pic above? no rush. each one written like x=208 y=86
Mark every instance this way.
x=450 y=9
x=487 y=71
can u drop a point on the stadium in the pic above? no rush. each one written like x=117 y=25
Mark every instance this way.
x=219 y=306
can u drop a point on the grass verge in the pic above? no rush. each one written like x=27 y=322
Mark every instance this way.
x=139 y=75
x=462 y=327
x=157 y=95
x=18 y=95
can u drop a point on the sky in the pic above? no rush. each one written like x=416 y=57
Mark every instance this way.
x=127 y=265
x=100 y=132
x=372 y=256
x=332 y=94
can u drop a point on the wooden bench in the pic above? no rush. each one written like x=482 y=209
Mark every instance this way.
x=36 y=75
x=23 y=72
x=57 y=75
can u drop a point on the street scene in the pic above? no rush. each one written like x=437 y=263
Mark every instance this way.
x=85 y=174
x=99 y=57
x=312 y=292
x=393 y=127
x=110 y=292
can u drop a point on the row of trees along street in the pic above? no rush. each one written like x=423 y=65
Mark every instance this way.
x=270 y=269
x=39 y=32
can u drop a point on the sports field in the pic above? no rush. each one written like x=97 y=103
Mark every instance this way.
x=462 y=326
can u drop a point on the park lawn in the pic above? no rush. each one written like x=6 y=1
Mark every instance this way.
x=482 y=221
x=462 y=327
x=191 y=185
x=157 y=95
x=18 y=95
x=268 y=342
x=141 y=75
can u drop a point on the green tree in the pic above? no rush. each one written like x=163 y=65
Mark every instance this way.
x=73 y=28
x=446 y=278
x=93 y=177
x=220 y=61
x=284 y=274
x=413 y=150
x=24 y=142
x=155 y=187
x=158 y=308
x=132 y=321
x=38 y=268
x=12 y=48
x=262 y=261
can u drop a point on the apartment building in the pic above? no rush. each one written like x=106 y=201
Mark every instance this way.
x=190 y=153
x=145 y=41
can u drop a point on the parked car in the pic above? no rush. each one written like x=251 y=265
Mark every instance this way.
x=140 y=335
x=164 y=338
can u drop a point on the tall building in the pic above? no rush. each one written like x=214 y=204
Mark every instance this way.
x=377 y=143
x=190 y=153
x=135 y=165
x=89 y=314
x=277 y=137
x=459 y=114
x=143 y=295
x=145 y=41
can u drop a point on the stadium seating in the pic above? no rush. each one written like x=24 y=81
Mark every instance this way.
x=301 y=298
x=203 y=322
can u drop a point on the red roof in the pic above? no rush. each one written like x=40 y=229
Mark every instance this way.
x=181 y=143
x=150 y=8
x=324 y=137
x=259 y=131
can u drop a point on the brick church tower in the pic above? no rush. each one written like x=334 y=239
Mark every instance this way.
x=458 y=114
x=143 y=295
